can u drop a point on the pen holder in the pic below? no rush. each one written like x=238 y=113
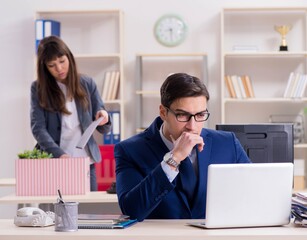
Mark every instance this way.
x=66 y=216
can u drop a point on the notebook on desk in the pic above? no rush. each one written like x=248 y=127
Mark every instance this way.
x=104 y=221
x=248 y=195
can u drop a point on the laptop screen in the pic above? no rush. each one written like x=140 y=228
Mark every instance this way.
x=245 y=195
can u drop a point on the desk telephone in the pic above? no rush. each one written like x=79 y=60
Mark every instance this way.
x=33 y=217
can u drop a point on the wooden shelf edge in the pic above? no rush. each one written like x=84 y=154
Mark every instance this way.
x=171 y=54
x=85 y=11
x=256 y=100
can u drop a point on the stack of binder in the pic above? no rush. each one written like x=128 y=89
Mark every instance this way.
x=299 y=209
x=113 y=136
x=104 y=221
x=45 y=28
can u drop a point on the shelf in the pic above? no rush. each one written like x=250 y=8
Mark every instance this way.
x=93 y=56
x=300 y=145
x=250 y=47
x=171 y=54
x=7 y=182
x=265 y=54
x=81 y=12
x=265 y=100
x=152 y=69
x=260 y=9
x=95 y=37
x=267 y=67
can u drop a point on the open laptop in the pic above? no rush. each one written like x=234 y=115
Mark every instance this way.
x=248 y=195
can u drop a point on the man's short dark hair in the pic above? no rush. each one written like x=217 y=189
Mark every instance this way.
x=181 y=85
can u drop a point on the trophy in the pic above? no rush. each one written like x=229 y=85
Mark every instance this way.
x=283 y=30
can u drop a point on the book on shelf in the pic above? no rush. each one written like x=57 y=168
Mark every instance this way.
x=113 y=136
x=248 y=86
x=235 y=83
x=239 y=86
x=302 y=86
x=289 y=85
x=116 y=127
x=115 y=86
x=110 y=86
x=105 y=86
x=296 y=86
x=230 y=87
x=107 y=138
x=45 y=28
x=242 y=89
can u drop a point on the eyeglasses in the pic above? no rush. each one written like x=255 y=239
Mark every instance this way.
x=185 y=116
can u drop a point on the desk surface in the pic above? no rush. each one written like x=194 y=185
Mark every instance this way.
x=152 y=230
x=91 y=197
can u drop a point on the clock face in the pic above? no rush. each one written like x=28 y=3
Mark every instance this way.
x=170 y=30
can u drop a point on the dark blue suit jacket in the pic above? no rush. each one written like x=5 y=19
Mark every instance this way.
x=143 y=189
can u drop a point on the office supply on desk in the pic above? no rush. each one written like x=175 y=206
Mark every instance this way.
x=101 y=218
x=299 y=209
x=248 y=195
x=300 y=198
x=299 y=213
x=33 y=217
x=66 y=216
x=120 y=225
x=88 y=133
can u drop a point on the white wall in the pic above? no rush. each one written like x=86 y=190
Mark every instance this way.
x=17 y=57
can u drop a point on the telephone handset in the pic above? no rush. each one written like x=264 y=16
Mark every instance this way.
x=32 y=216
x=26 y=211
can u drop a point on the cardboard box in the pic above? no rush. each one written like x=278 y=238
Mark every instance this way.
x=43 y=177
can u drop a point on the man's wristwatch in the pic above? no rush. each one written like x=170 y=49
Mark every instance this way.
x=168 y=159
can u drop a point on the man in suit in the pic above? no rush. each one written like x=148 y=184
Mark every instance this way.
x=162 y=172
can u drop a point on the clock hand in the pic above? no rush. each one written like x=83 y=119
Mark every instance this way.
x=171 y=33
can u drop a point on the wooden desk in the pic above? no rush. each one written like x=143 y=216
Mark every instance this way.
x=7 y=182
x=152 y=230
x=91 y=197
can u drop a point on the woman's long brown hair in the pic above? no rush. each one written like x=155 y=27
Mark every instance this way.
x=50 y=95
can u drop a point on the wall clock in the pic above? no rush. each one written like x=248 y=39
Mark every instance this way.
x=170 y=30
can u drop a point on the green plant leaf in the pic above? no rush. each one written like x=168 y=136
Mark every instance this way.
x=34 y=154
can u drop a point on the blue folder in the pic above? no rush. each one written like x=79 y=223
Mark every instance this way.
x=120 y=225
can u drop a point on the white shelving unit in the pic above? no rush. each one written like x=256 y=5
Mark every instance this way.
x=152 y=69
x=267 y=67
x=95 y=37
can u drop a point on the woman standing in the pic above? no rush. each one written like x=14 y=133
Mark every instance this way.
x=63 y=104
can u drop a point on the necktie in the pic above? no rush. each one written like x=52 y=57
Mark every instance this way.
x=188 y=179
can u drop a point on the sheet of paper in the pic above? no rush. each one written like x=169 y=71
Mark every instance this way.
x=88 y=133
